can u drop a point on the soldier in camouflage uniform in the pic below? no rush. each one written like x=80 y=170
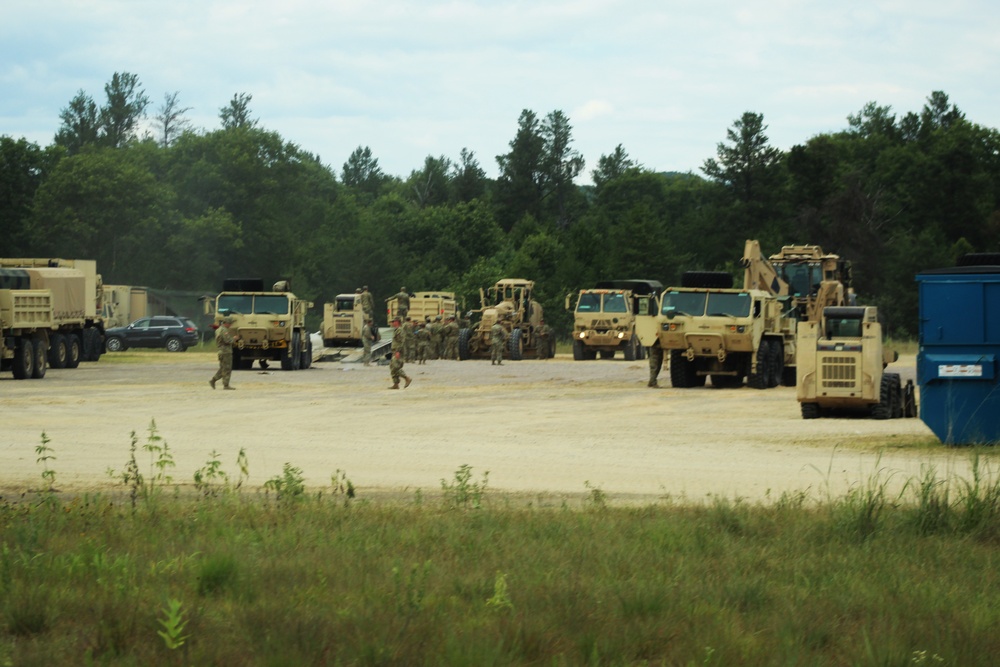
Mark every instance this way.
x=367 y=338
x=498 y=336
x=423 y=338
x=655 y=364
x=437 y=338
x=544 y=342
x=402 y=303
x=409 y=340
x=450 y=330
x=396 y=363
x=224 y=339
x=367 y=304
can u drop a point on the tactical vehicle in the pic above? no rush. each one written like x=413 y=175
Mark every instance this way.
x=271 y=325
x=343 y=320
x=424 y=305
x=604 y=318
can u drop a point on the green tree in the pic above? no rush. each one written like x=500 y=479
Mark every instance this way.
x=23 y=168
x=431 y=185
x=125 y=108
x=562 y=163
x=468 y=178
x=170 y=119
x=80 y=124
x=520 y=186
x=362 y=172
x=236 y=114
x=610 y=167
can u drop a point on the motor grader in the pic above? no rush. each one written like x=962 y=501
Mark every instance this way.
x=509 y=302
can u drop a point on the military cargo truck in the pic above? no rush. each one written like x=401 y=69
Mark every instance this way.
x=510 y=302
x=604 y=318
x=271 y=324
x=424 y=305
x=841 y=363
x=50 y=315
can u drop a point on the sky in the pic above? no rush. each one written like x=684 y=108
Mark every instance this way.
x=663 y=78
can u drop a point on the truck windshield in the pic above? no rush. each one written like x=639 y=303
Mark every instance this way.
x=589 y=303
x=235 y=303
x=803 y=279
x=733 y=305
x=270 y=305
x=615 y=303
x=683 y=303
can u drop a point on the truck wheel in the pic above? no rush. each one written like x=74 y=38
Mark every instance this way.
x=810 y=410
x=777 y=368
x=91 y=344
x=909 y=400
x=760 y=379
x=578 y=354
x=463 y=344
x=897 y=397
x=57 y=351
x=306 y=357
x=41 y=359
x=516 y=345
x=288 y=356
x=883 y=409
x=23 y=364
x=115 y=344
x=74 y=351
x=630 y=349
x=683 y=373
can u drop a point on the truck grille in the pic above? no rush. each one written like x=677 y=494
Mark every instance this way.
x=342 y=326
x=838 y=372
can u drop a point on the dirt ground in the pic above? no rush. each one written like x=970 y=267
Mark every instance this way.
x=554 y=428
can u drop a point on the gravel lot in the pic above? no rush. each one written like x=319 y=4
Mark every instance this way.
x=549 y=428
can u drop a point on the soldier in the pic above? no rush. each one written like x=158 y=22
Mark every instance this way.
x=409 y=340
x=655 y=364
x=423 y=338
x=437 y=338
x=542 y=332
x=451 y=338
x=367 y=304
x=402 y=302
x=224 y=339
x=367 y=338
x=498 y=336
x=396 y=363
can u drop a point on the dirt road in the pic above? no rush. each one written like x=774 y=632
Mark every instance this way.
x=541 y=427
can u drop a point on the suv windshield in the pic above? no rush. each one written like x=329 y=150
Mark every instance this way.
x=683 y=303
x=733 y=305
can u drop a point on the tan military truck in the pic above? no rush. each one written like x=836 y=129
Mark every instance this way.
x=841 y=364
x=343 y=321
x=50 y=314
x=271 y=325
x=712 y=330
x=510 y=302
x=424 y=305
x=604 y=318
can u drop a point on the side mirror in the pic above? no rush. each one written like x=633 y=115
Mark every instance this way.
x=670 y=312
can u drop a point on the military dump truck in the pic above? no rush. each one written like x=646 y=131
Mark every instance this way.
x=271 y=325
x=508 y=301
x=424 y=305
x=604 y=318
x=712 y=330
x=841 y=364
x=50 y=315
x=343 y=320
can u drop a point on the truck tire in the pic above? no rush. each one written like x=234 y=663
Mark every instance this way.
x=578 y=350
x=909 y=400
x=683 y=373
x=57 y=351
x=883 y=409
x=74 y=351
x=897 y=397
x=23 y=364
x=759 y=380
x=306 y=356
x=629 y=352
x=810 y=410
x=91 y=344
x=463 y=344
x=516 y=345
x=41 y=359
x=777 y=368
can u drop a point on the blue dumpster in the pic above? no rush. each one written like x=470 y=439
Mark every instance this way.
x=959 y=350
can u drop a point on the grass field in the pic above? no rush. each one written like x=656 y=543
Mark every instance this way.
x=221 y=574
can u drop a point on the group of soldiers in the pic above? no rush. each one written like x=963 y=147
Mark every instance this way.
x=430 y=339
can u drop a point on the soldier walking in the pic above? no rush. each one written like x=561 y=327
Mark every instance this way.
x=367 y=338
x=498 y=336
x=655 y=364
x=224 y=339
x=367 y=304
x=396 y=363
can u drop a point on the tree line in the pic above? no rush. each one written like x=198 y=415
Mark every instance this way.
x=177 y=208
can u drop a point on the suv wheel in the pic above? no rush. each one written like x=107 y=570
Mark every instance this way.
x=174 y=344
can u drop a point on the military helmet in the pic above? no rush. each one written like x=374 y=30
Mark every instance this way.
x=228 y=319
